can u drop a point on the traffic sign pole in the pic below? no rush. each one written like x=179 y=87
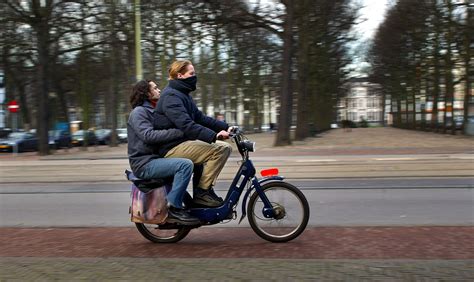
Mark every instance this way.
x=15 y=121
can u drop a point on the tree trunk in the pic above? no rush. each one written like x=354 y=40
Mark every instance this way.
x=302 y=128
x=202 y=77
x=84 y=86
x=63 y=110
x=216 y=82
x=384 y=97
x=414 y=91
x=467 y=69
x=42 y=33
x=448 y=66
x=436 y=77
x=286 y=96
x=114 y=89
x=399 y=108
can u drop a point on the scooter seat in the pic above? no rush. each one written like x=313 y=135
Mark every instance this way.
x=145 y=185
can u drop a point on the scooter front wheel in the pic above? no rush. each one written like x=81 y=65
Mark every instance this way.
x=154 y=233
x=290 y=212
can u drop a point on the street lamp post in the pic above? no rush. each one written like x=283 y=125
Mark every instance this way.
x=138 y=47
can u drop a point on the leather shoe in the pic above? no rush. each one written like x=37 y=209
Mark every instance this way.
x=214 y=195
x=180 y=216
x=206 y=198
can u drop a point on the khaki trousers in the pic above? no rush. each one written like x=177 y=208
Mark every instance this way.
x=212 y=156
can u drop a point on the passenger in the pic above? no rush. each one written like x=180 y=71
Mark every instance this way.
x=201 y=132
x=142 y=141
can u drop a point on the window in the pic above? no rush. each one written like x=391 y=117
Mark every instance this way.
x=361 y=92
x=353 y=116
x=353 y=103
x=371 y=116
x=370 y=103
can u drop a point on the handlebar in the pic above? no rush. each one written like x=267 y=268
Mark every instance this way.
x=243 y=144
x=235 y=130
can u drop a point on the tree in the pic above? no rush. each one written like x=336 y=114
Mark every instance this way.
x=417 y=53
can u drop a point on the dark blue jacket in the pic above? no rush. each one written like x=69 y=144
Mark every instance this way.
x=143 y=139
x=176 y=108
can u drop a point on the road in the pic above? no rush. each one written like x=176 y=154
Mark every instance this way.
x=295 y=167
x=334 y=202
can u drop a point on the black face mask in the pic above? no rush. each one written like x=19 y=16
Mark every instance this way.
x=190 y=82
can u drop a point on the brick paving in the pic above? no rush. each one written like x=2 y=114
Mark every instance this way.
x=237 y=254
x=429 y=242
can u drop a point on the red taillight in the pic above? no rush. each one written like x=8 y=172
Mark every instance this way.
x=269 y=172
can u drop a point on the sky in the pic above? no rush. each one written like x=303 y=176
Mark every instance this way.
x=373 y=11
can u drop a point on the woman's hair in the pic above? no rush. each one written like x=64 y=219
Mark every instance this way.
x=140 y=93
x=178 y=67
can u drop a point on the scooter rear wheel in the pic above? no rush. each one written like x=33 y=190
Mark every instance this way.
x=290 y=208
x=153 y=233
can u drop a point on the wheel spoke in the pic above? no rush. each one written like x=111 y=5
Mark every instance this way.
x=285 y=199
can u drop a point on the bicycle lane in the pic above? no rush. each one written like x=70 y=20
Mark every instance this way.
x=236 y=254
x=417 y=242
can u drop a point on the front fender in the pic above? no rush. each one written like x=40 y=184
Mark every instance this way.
x=270 y=178
x=260 y=182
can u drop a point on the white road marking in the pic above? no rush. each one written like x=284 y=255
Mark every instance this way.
x=315 y=160
x=396 y=159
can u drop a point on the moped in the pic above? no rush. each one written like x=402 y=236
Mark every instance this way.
x=277 y=211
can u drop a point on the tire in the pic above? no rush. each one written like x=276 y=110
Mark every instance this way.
x=156 y=235
x=292 y=218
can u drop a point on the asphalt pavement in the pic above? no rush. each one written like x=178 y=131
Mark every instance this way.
x=363 y=152
x=343 y=253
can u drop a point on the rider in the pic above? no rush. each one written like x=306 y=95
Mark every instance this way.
x=144 y=162
x=201 y=132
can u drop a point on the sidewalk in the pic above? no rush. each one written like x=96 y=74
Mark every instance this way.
x=363 y=152
x=360 y=141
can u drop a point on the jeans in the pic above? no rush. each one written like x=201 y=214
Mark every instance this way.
x=179 y=168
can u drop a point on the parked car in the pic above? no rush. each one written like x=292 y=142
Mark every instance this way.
x=458 y=121
x=59 y=139
x=122 y=135
x=19 y=142
x=78 y=138
x=104 y=136
x=4 y=132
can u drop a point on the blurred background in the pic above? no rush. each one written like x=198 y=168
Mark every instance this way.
x=293 y=67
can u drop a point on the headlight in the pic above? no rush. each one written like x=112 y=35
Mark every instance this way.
x=248 y=145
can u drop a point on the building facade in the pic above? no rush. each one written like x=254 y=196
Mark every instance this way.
x=362 y=101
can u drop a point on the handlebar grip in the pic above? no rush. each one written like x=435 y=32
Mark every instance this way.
x=235 y=129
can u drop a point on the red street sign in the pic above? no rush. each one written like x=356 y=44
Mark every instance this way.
x=13 y=106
